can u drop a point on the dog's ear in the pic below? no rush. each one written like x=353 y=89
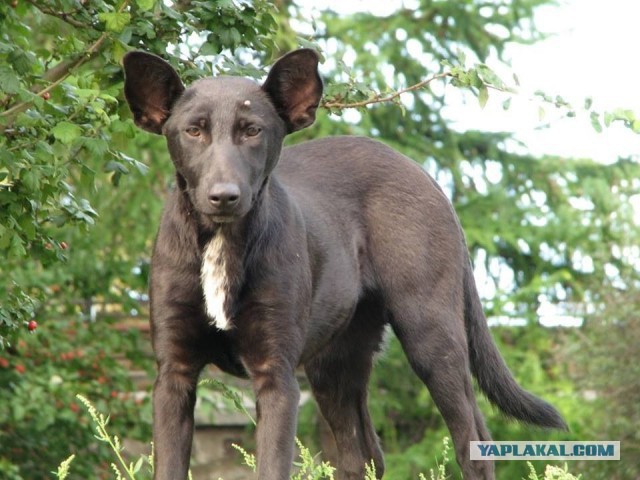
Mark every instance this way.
x=151 y=87
x=295 y=88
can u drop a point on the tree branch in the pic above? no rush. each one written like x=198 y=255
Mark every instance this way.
x=59 y=74
x=379 y=98
x=64 y=16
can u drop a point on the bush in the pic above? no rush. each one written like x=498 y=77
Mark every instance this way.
x=306 y=468
x=41 y=421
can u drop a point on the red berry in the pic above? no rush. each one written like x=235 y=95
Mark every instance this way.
x=20 y=369
x=64 y=245
x=32 y=325
x=46 y=95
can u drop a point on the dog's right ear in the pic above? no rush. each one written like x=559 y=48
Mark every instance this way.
x=151 y=87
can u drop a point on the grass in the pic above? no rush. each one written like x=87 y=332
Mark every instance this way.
x=307 y=466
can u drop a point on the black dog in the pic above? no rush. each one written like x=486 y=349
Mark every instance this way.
x=267 y=259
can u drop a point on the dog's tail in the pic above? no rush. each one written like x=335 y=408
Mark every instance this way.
x=492 y=373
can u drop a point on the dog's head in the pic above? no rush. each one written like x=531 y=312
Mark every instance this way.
x=224 y=134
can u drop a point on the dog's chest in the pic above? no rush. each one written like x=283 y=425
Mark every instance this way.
x=216 y=282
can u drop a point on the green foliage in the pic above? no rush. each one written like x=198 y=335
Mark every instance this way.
x=63 y=469
x=232 y=395
x=604 y=365
x=554 y=228
x=623 y=116
x=81 y=191
x=411 y=427
x=40 y=375
x=306 y=468
x=552 y=473
x=310 y=469
x=79 y=205
x=100 y=422
x=63 y=137
x=566 y=217
x=248 y=459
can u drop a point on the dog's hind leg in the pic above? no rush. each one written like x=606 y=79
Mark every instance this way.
x=338 y=378
x=432 y=335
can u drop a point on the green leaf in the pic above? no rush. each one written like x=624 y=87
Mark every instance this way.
x=21 y=62
x=8 y=80
x=595 y=122
x=474 y=78
x=115 y=21
x=58 y=220
x=28 y=227
x=66 y=132
x=114 y=166
x=145 y=4
x=624 y=114
x=19 y=411
x=30 y=180
x=489 y=76
x=136 y=468
x=588 y=103
x=541 y=113
x=16 y=248
x=608 y=118
x=483 y=96
x=97 y=146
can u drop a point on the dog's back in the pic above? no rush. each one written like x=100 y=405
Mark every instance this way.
x=376 y=196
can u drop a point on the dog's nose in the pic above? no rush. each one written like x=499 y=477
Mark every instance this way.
x=224 y=195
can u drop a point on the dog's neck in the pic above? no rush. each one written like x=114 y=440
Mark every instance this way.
x=220 y=277
x=230 y=249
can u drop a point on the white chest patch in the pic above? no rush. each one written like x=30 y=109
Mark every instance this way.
x=215 y=282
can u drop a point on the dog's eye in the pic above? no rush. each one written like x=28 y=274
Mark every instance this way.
x=193 y=131
x=252 y=131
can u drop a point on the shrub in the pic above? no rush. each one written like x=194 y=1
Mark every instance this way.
x=41 y=420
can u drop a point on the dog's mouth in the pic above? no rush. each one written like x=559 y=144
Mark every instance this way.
x=216 y=215
x=228 y=218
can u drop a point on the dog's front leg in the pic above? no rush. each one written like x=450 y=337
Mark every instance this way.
x=174 y=397
x=177 y=338
x=277 y=395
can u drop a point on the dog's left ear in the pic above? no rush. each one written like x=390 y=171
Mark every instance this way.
x=295 y=88
x=151 y=87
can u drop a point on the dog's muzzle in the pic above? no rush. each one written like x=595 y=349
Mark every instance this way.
x=224 y=200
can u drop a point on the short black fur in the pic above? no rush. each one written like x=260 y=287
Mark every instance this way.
x=307 y=254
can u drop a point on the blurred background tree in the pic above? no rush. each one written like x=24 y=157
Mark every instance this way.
x=81 y=191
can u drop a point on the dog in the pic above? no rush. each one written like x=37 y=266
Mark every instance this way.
x=269 y=258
